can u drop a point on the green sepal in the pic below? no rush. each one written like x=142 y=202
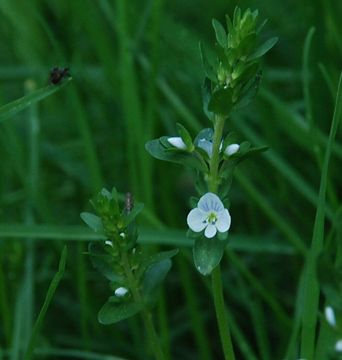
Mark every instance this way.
x=157 y=150
x=186 y=137
x=103 y=261
x=207 y=254
x=221 y=101
x=192 y=234
x=112 y=312
x=220 y=33
x=263 y=49
x=93 y=221
x=153 y=279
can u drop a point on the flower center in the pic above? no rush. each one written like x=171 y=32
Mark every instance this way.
x=212 y=218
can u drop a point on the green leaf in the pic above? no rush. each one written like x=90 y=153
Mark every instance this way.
x=221 y=101
x=163 y=255
x=207 y=64
x=248 y=92
x=103 y=262
x=206 y=96
x=133 y=214
x=112 y=312
x=12 y=108
x=93 y=221
x=207 y=254
x=263 y=49
x=153 y=278
x=186 y=137
x=220 y=33
x=157 y=150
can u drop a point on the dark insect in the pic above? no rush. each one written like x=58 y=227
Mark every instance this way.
x=129 y=203
x=58 y=74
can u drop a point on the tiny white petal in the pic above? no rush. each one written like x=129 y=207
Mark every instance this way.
x=330 y=315
x=338 y=346
x=109 y=243
x=223 y=221
x=121 y=292
x=232 y=149
x=177 y=142
x=196 y=220
x=210 y=202
x=122 y=235
x=210 y=231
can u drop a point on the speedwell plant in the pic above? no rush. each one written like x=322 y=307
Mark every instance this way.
x=231 y=82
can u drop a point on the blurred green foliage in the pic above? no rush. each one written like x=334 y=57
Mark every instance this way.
x=136 y=72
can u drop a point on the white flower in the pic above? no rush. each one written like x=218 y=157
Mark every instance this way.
x=210 y=215
x=338 y=346
x=177 y=142
x=330 y=315
x=121 y=292
x=109 y=243
x=232 y=149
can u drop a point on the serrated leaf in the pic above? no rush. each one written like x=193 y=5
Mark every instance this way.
x=220 y=33
x=112 y=312
x=207 y=254
x=221 y=101
x=263 y=49
x=153 y=278
x=93 y=221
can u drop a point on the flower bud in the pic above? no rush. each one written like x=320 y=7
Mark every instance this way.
x=232 y=149
x=120 y=292
x=177 y=142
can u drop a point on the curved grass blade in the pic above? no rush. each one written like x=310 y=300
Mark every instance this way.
x=9 y=110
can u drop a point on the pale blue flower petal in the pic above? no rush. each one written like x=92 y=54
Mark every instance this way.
x=206 y=145
x=210 y=202
x=121 y=292
x=177 y=142
x=223 y=221
x=210 y=231
x=196 y=220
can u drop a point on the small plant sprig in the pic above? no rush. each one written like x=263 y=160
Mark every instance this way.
x=232 y=81
x=134 y=277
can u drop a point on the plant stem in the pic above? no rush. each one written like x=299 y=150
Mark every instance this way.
x=221 y=314
x=220 y=309
x=146 y=314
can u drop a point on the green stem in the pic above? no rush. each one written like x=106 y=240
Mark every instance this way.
x=146 y=314
x=213 y=182
x=221 y=314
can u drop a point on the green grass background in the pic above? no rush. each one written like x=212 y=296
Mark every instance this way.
x=136 y=72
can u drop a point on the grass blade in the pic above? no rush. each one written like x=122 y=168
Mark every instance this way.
x=311 y=297
x=12 y=108
x=50 y=293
